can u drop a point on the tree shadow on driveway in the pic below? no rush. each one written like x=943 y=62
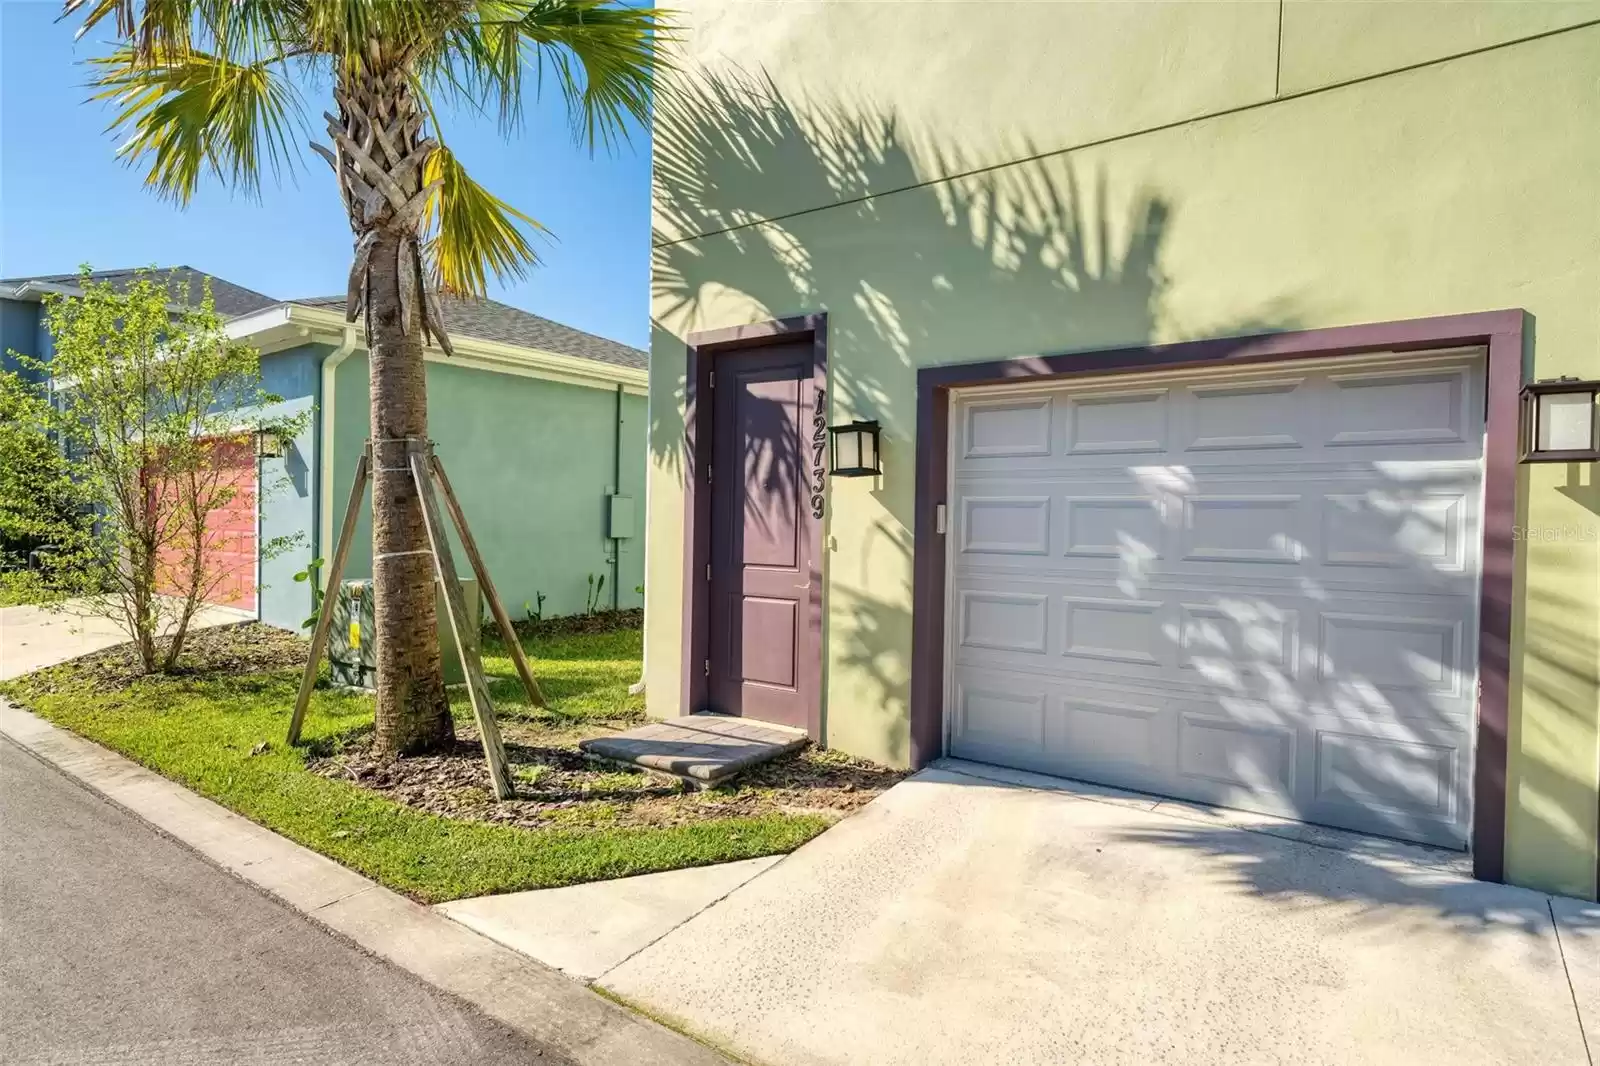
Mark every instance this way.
x=1389 y=880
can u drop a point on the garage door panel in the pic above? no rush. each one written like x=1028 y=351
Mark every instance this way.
x=999 y=712
x=1003 y=621
x=1128 y=527
x=1259 y=591
x=1395 y=774
x=1116 y=629
x=1255 y=759
x=1004 y=525
x=1244 y=528
x=1246 y=416
x=1231 y=637
x=1393 y=654
x=1400 y=407
x=1389 y=531
x=1120 y=423
x=1006 y=429
x=1122 y=733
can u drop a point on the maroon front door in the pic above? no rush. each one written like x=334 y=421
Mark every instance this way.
x=763 y=648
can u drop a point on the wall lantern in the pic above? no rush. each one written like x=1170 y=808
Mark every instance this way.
x=855 y=449
x=271 y=444
x=1558 y=423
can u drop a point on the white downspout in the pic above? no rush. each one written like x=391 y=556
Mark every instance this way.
x=637 y=688
x=325 y=449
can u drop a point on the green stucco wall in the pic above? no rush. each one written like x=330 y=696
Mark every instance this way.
x=1160 y=172
x=531 y=461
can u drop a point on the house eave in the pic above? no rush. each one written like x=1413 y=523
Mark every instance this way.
x=288 y=325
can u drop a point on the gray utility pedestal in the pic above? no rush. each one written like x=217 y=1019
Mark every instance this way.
x=352 y=644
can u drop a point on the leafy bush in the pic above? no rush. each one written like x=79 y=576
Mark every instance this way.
x=41 y=509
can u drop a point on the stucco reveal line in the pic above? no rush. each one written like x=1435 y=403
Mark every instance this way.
x=1162 y=128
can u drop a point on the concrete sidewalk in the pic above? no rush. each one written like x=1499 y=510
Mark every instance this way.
x=32 y=638
x=961 y=919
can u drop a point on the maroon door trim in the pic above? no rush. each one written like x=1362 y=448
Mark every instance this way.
x=1501 y=332
x=706 y=350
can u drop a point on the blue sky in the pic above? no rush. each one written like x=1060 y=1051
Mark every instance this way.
x=65 y=199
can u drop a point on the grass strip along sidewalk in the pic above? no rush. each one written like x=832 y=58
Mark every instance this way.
x=218 y=728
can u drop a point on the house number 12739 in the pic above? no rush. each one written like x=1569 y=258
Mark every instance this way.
x=819 y=446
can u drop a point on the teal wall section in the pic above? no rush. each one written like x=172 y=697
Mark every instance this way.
x=289 y=486
x=531 y=461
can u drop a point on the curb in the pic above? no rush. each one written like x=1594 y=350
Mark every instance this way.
x=511 y=988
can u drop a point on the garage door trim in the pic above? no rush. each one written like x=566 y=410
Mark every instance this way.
x=1500 y=333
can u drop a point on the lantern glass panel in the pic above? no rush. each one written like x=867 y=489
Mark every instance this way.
x=869 y=450
x=1565 y=422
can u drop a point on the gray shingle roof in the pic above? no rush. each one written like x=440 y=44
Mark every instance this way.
x=183 y=285
x=494 y=321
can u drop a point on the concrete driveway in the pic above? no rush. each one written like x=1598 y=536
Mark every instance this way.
x=964 y=919
x=32 y=638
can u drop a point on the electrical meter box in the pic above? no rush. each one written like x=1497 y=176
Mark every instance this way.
x=619 y=517
x=352 y=642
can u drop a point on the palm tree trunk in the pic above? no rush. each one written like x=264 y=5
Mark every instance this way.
x=412 y=712
x=378 y=158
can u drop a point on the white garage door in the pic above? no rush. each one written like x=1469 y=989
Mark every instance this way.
x=1258 y=590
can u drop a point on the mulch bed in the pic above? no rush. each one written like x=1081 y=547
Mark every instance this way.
x=557 y=786
x=599 y=622
x=217 y=651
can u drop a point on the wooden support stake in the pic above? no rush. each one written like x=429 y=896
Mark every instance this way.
x=466 y=638
x=319 y=637
x=498 y=609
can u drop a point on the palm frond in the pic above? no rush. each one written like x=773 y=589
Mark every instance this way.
x=603 y=57
x=198 y=112
x=149 y=27
x=472 y=233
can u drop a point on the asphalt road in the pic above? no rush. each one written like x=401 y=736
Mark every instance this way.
x=119 y=946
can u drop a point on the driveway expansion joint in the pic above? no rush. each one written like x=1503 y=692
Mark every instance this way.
x=1572 y=989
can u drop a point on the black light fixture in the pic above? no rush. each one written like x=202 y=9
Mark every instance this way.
x=270 y=443
x=855 y=449
x=1558 y=421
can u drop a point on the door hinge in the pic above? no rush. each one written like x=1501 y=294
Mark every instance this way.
x=708 y=473
x=708 y=571
x=939 y=518
x=708 y=667
x=711 y=379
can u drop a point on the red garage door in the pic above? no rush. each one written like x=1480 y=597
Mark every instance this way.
x=229 y=548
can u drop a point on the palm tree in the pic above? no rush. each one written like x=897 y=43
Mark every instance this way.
x=204 y=87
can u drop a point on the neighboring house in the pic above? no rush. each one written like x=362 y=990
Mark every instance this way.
x=1195 y=332
x=538 y=425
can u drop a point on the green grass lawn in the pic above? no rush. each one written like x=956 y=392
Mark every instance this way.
x=222 y=736
x=582 y=676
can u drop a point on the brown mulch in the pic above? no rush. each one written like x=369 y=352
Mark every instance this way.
x=557 y=786
x=217 y=651
x=599 y=622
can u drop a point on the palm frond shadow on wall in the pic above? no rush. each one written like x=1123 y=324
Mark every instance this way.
x=901 y=262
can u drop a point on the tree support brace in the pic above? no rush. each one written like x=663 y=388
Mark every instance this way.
x=428 y=472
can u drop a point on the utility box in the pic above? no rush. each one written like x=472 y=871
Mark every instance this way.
x=353 y=645
x=619 y=517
